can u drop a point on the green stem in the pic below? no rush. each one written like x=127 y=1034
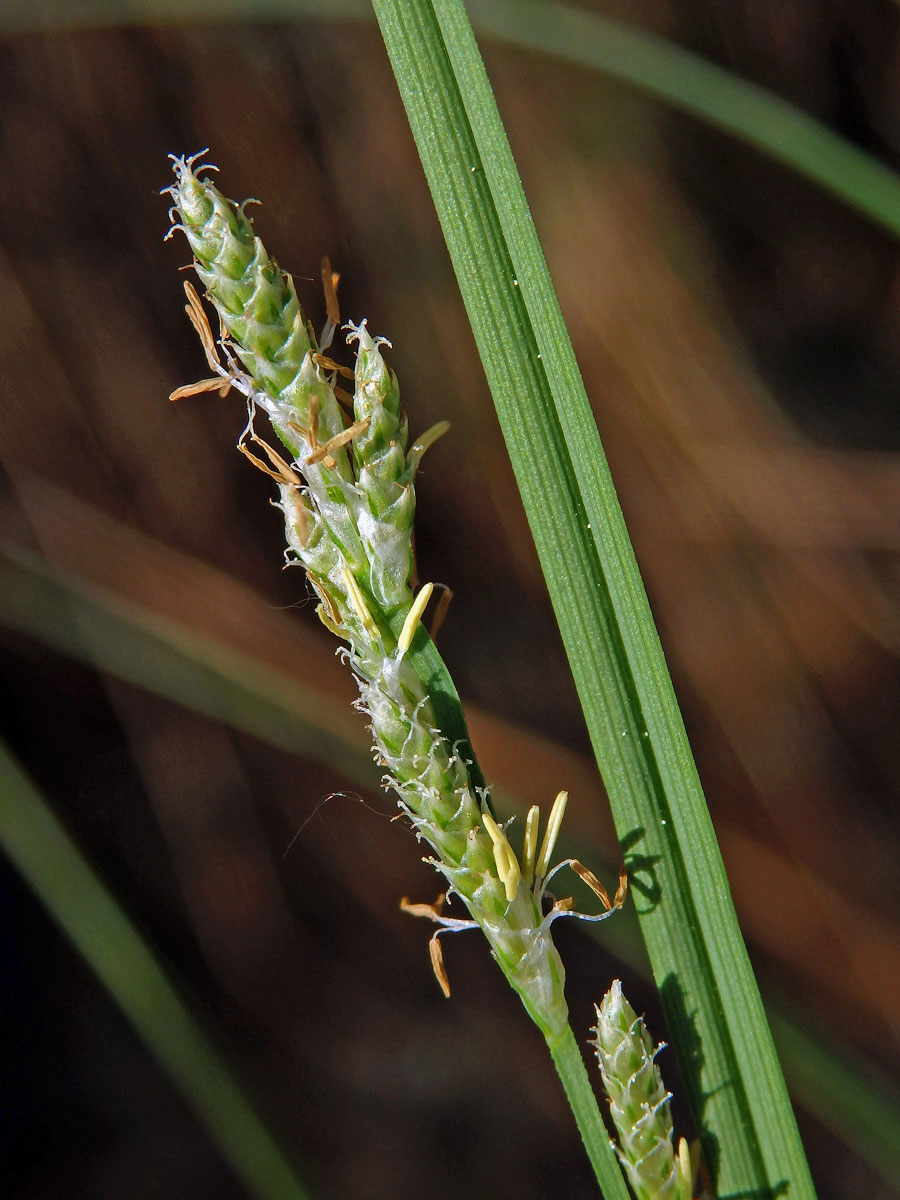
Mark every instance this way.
x=573 y=1073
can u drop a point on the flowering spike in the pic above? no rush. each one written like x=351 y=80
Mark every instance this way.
x=346 y=491
x=638 y=1102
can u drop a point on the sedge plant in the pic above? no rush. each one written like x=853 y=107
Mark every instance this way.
x=346 y=488
x=670 y=73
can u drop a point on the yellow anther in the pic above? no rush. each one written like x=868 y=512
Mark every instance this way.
x=358 y=601
x=218 y=384
x=280 y=471
x=295 y=514
x=408 y=632
x=557 y=812
x=510 y=873
x=495 y=833
x=328 y=364
x=529 y=844
x=433 y=911
x=331 y=609
x=198 y=318
x=504 y=857
x=329 y=284
x=440 y=610
x=688 y=1164
x=622 y=889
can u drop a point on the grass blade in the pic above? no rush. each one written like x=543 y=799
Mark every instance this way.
x=79 y=902
x=856 y=1103
x=715 y=1014
x=695 y=85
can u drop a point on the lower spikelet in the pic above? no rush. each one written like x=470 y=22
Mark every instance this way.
x=639 y=1102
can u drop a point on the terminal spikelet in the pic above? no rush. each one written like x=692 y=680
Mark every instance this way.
x=257 y=302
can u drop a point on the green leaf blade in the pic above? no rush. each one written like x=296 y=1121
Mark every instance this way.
x=687 y=916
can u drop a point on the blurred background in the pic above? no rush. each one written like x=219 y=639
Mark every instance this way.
x=175 y=699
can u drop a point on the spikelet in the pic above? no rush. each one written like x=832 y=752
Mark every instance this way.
x=382 y=472
x=347 y=493
x=257 y=303
x=639 y=1102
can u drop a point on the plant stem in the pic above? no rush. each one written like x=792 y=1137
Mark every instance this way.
x=573 y=1073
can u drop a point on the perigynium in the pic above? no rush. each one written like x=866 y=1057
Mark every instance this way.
x=346 y=489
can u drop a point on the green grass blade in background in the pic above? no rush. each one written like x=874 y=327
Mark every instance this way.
x=712 y=1002
x=702 y=88
x=69 y=888
x=855 y=1102
x=628 y=53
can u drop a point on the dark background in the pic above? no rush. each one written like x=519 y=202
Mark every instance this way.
x=738 y=331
